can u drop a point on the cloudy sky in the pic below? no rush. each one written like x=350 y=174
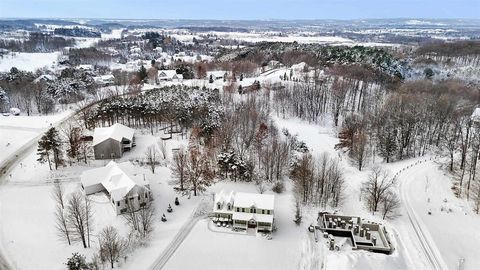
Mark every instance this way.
x=240 y=9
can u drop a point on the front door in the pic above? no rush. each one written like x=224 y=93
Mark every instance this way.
x=252 y=223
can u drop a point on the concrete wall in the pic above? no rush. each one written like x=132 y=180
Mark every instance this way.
x=105 y=149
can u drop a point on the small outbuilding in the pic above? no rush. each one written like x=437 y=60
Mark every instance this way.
x=111 y=142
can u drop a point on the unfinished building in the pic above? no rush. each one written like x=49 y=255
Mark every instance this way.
x=362 y=234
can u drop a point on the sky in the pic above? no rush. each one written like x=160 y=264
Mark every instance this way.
x=240 y=9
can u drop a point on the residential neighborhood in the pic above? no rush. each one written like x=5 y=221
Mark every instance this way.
x=209 y=135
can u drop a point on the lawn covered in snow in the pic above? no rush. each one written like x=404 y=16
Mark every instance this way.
x=28 y=61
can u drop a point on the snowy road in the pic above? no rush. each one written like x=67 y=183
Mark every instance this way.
x=426 y=241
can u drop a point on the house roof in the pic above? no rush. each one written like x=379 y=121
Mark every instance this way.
x=216 y=73
x=223 y=198
x=250 y=216
x=116 y=132
x=262 y=201
x=476 y=115
x=167 y=73
x=119 y=179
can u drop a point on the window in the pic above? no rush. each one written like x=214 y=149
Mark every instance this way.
x=263 y=211
x=146 y=195
x=228 y=206
x=118 y=203
x=268 y=212
x=243 y=209
x=253 y=210
x=238 y=209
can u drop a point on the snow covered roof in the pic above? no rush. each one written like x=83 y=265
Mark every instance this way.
x=476 y=115
x=85 y=67
x=250 y=216
x=262 y=201
x=116 y=132
x=216 y=74
x=167 y=73
x=117 y=178
x=224 y=198
x=44 y=77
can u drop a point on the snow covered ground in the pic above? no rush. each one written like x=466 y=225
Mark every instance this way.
x=238 y=251
x=26 y=198
x=452 y=226
x=17 y=131
x=28 y=61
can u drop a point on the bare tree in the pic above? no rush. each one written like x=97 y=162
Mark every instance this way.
x=60 y=220
x=179 y=168
x=390 y=205
x=199 y=175
x=162 y=145
x=151 y=155
x=77 y=218
x=61 y=224
x=376 y=188
x=112 y=245
x=146 y=216
x=259 y=183
x=58 y=194
x=88 y=218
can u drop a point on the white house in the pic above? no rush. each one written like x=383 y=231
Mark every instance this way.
x=111 y=142
x=104 y=80
x=124 y=187
x=245 y=210
x=169 y=75
x=216 y=75
x=85 y=67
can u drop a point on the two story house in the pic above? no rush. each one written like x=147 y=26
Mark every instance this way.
x=245 y=210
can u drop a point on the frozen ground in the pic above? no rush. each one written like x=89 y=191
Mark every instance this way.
x=236 y=251
x=28 y=61
x=452 y=226
x=17 y=131
x=26 y=211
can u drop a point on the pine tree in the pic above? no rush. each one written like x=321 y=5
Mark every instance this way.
x=49 y=147
x=142 y=73
x=211 y=79
x=77 y=262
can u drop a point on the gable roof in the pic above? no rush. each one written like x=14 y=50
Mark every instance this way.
x=247 y=200
x=119 y=179
x=167 y=73
x=116 y=132
x=224 y=198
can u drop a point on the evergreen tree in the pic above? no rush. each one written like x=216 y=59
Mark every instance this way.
x=77 y=262
x=241 y=77
x=211 y=79
x=142 y=73
x=4 y=100
x=49 y=147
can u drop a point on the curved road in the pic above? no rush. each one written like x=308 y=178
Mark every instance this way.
x=426 y=242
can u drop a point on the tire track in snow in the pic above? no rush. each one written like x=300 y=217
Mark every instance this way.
x=428 y=246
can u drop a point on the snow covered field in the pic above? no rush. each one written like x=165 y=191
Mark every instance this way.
x=28 y=61
x=17 y=131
